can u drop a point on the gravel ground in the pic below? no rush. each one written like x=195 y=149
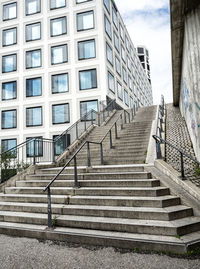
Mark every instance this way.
x=25 y=253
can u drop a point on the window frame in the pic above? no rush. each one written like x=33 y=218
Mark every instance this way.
x=8 y=82
x=108 y=46
x=15 y=69
x=29 y=14
x=56 y=46
x=3 y=31
x=88 y=29
x=52 y=8
x=83 y=41
x=26 y=86
x=59 y=74
x=87 y=70
x=29 y=108
x=8 y=110
x=111 y=75
x=31 y=51
x=58 y=18
x=68 y=121
x=3 y=11
x=29 y=24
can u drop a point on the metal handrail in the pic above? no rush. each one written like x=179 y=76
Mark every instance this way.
x=159 y=141
x=76 y=184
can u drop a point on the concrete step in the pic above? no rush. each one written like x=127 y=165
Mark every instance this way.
x=169 y=213
x=39 y=190
x=137 y=201
x=91 y=183
x=97 y=238
x=123 y=191
x=171 y=228
x=34 y=198
x=88 y=176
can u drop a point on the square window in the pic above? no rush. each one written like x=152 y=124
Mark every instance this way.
x=7 y=144
x=119 y=91
x=33 y=31
x=9 y=63
x=59 y=54
x=123 y=54
x=9 y=119
x=87 y=106
x=124 y=74
x=116 y=41
x=60 y=83
x=121 y=31
x=33 y=59
x=85 y=21
x=118 y=66
x=115 y=19
x=57 y=4
x=10 y=11
x=58 y=26
x=33 y=7
x=126 y=99
x=36 y=142
x=34 y=116
x=86 y=49
x=88 y=79
x=60 y=114
x=111 y=82
x=33 y=87
x=61 y=143
x=109 y=53
x=9 y=37
x=131 y=102
x=108 y=28
x=9 y=90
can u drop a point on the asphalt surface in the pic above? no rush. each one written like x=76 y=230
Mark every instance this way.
x=25 y=253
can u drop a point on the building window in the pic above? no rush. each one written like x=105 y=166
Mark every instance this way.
x=109 y=54
x=86 y=49
x=119 y=91
x=60 y=83
x=111 y=82
x=7 y=144
x=9 y=119
x=127 y=43
x=118 y=65
x=121 y=31
x=32 y=7
x=36 y=142
x=59 y=54
x=130 y=83
x=115 y=19
x=131 y=102
x=124 y=75
x=88 y=79
x=58 y=26
x=107 y=5
x=34 y=116
x=33 y=87
x=10 y=11
x=87 y=106
x=60 y=113
x=140 y=50
x=9 y=90
x=129 y=63
x=57 y=4
x=61 y=143
x=33 y=59
x=123 y=54
x=9 y=37
x=108 y=27
x=126 y=99
x=85 y=21
x=9 y=63
x=33 y=31
x=116 y=41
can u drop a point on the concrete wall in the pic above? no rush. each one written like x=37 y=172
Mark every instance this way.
x=190 y=78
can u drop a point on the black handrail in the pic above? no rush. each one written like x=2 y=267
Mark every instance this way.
x=160 y=141
x=76 y=183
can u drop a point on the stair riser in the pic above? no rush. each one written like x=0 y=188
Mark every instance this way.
x=142 y=193
x=33 y=191
x=33 y=209
x=107 y=183
x=54 y=200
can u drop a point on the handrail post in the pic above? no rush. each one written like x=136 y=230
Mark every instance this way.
x=121 y=121
x=129 y=118
x=101 y=150
x=116 y=130
x=124 y=116
x=53 y=151
x=76 y=131
x=34 y=151
x=88 y=154
x=182 y=166
x=158 y=150
x=76 y=185
x=103 y=116
x=85 y=123
x=49 y=208
x=110 y=138
x=92 y=117
x=99 y=119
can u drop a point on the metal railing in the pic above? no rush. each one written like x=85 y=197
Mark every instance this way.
x=159 y=128
x=160 y=141
x=123 y=118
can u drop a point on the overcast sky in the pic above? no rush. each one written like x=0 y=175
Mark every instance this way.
x=148 y=23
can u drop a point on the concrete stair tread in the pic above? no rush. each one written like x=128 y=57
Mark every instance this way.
x=91 y=180
x=118 y=221
x=30 y=195
x=156 y=198
x=38 y=188
x=97 y=173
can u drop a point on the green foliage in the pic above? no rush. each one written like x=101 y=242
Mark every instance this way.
x=177 y=236
x=197 y=170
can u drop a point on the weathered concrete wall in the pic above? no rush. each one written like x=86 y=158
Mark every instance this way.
x=190 y=79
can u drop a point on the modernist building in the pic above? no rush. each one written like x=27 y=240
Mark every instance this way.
x=60 y=59
x=185 y=25
x=143 y=55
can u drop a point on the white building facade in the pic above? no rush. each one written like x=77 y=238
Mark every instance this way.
x=60 y=59
x=143 y=55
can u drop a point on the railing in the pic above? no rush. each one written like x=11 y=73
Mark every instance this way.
x=106 y=112
x=160 y=141
x=19 y=158
x=123 y=117
x=159 y=129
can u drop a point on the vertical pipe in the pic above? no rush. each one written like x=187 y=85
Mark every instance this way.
x=88 y=154
x=115 y=130
x=129 y=118
x=101 y=150
x=99 y=115
x=110 y=138
x=34 y=151
x=49 y=208
x=124 y=116
x=121 y=121
x=182 y=167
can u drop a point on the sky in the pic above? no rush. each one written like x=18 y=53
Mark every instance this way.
x=148 y=23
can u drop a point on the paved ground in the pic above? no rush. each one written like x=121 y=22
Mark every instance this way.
x=24 y=253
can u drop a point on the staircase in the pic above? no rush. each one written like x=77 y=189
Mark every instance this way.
x=119 y=205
